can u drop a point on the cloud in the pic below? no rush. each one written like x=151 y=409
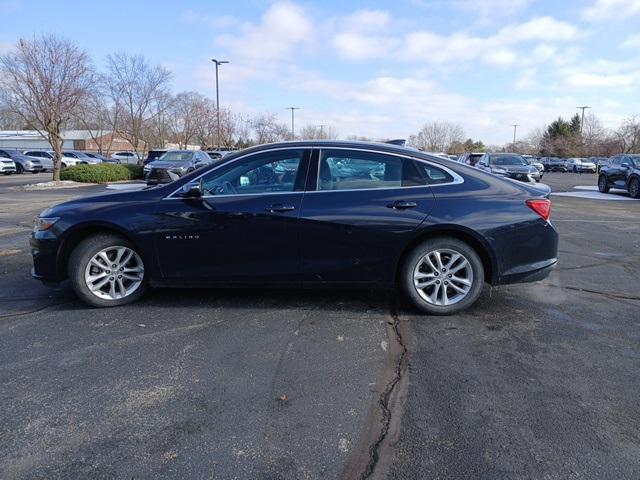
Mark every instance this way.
x=495 y=50
x=357 y=46
x=632 y=41
x=603 y=10
x=492 y=11
x=283 y=27
x=592 y=80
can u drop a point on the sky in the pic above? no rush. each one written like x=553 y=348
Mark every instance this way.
x=380 y=69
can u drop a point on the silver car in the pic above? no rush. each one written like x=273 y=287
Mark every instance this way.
x=82 y=157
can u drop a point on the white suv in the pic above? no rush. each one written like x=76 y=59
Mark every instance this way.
x=126 y=157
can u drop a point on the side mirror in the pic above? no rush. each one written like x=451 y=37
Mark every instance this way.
x=625 y=165
x=191 y=190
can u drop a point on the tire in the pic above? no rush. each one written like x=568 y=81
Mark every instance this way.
x=81 y=267
x=603 y=186
x=634 y=188
x=430 y=298
x=63 y=166
x=19 y=168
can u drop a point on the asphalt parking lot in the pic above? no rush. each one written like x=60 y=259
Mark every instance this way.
x=535 y=381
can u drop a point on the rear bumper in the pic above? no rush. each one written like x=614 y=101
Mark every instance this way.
x=529 y=273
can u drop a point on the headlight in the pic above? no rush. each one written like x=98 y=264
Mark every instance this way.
x=41 y=224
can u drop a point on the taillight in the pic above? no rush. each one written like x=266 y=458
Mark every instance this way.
x=541 y=206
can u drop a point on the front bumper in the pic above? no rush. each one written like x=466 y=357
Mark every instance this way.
x=44 y=252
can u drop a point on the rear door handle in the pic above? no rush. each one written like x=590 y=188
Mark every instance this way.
x=279 y=208
x=402 y=205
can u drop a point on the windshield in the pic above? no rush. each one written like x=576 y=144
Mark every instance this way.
x=177 y=156
x=507 y=160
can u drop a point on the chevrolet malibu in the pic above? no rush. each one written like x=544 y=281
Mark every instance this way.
x=305 y=214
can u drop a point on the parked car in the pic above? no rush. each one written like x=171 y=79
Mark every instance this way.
x=431 y=227
x=470 y=158
x=46 y=158
x=533 y=161
x=174 y=164
x=100 y=157
x=126 y=157
x=599 y=161
x=580 y=165
x=154 y=155
x=82 y=157
x=21 y=161
x=7 y=166
x=66 y=161
x=622 y=171
x=509 y=165
x=553 y=164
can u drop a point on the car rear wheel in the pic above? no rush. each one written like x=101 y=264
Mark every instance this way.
x=106 y=271
x=442 y=276
x=19 y=168
x=634 y=188
x=603 y=186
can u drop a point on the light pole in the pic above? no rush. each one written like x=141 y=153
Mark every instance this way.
x=582 y=119
x=515 y=127
x=218 y=63
x=293 y=130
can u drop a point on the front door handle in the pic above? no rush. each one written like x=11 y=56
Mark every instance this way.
x=279 y=208
x=402 y=205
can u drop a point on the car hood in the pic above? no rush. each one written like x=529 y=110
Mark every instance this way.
x=111 y=199
x=167 y=164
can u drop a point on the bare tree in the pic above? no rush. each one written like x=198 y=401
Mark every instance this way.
x=187 y=117
x=268 y=130
x=44 y=81
x=437 y=137
x=318 y=132
x=139 y=94
x=628 y=135
x=94 y=116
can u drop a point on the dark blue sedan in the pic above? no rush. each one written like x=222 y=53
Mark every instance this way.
x=306 y=214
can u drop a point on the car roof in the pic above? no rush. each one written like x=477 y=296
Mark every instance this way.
x=361 y=145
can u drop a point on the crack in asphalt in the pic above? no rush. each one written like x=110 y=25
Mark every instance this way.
x=36 y=310
x=596 y=292
x=383 y=401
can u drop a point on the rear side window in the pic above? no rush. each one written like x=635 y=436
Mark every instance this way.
x=434 y=175
x=357 y=170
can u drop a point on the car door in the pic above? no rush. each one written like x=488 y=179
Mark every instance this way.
x=244 y=229
x=359 y=209
x=616 y=175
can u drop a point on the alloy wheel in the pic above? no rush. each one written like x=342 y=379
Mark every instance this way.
x=114 y=273
x=443 y=277
x=634 y=188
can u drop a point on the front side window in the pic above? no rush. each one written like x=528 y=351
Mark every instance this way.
x=4 y=154
x=267 y=172
x=355 y=170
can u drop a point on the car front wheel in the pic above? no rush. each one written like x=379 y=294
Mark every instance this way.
x=634 y=188
x=603 y=186
x=442 y=276
x=106 y=271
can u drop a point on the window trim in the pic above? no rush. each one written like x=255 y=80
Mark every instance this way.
x=310 y=149
x=457 y=179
